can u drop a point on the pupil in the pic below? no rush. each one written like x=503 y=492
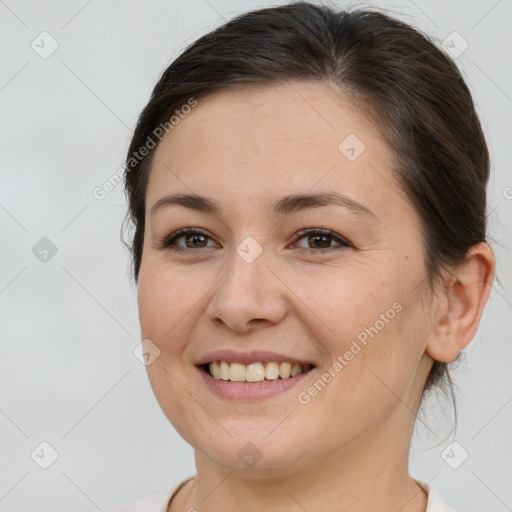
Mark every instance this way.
x=317 y=237
x=195 y=237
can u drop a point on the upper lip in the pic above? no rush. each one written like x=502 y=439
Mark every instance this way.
x=248 y=357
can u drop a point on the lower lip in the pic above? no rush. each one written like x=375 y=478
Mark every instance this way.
x=251 y=390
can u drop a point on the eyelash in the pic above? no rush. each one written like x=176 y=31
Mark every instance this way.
x=167 y=242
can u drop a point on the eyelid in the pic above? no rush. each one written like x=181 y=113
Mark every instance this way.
x=310 y=231
x=166 y=242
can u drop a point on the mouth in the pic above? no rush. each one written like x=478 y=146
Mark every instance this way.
x=255 y=372
x=252 y=374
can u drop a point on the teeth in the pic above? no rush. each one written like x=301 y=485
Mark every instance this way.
x=256 y=372
x=224 y=370
x=272 y=370
x=296 y=369
x=285 y=370
x=215 y=369
x=237 y=372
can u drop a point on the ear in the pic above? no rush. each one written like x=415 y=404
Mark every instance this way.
x=460 y=306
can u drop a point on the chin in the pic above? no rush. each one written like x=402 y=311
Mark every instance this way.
x=254 y=457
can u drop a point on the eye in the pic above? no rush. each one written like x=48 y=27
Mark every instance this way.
x=194 y=238
x=321 y=240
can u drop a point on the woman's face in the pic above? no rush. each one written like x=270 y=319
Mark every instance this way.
x=347 y=300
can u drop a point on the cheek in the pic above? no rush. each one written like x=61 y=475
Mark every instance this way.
x=343 y=302
x=370 y=330
x=168 y=301
x=167 y=317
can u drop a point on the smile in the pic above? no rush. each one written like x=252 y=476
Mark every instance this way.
x=255 y=372
x=251 y=381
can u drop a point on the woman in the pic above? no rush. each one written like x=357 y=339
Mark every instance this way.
x=308 y=192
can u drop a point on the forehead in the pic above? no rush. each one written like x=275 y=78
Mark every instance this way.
x=265 y=120
x=258 y=141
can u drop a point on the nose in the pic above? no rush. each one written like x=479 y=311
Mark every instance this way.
x=249 y=295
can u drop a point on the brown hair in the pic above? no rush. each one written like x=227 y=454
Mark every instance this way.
x=399 y=78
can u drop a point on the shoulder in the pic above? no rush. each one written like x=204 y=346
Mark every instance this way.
x=156 y=503
x=435 y=503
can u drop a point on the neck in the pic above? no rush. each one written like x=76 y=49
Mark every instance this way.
x=371 y=474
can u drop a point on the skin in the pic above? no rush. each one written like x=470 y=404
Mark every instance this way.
x=347 y=449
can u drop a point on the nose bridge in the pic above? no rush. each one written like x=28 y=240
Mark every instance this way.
x=248 y=291
x=247 y=271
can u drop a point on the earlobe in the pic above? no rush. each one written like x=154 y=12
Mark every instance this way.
x=460 y=306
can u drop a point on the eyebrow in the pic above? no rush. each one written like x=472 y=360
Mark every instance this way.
x=284 y=206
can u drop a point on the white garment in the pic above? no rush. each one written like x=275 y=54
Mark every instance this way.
x=159 y=502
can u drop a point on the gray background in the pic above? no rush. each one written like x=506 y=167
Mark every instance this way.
x=68 y=375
